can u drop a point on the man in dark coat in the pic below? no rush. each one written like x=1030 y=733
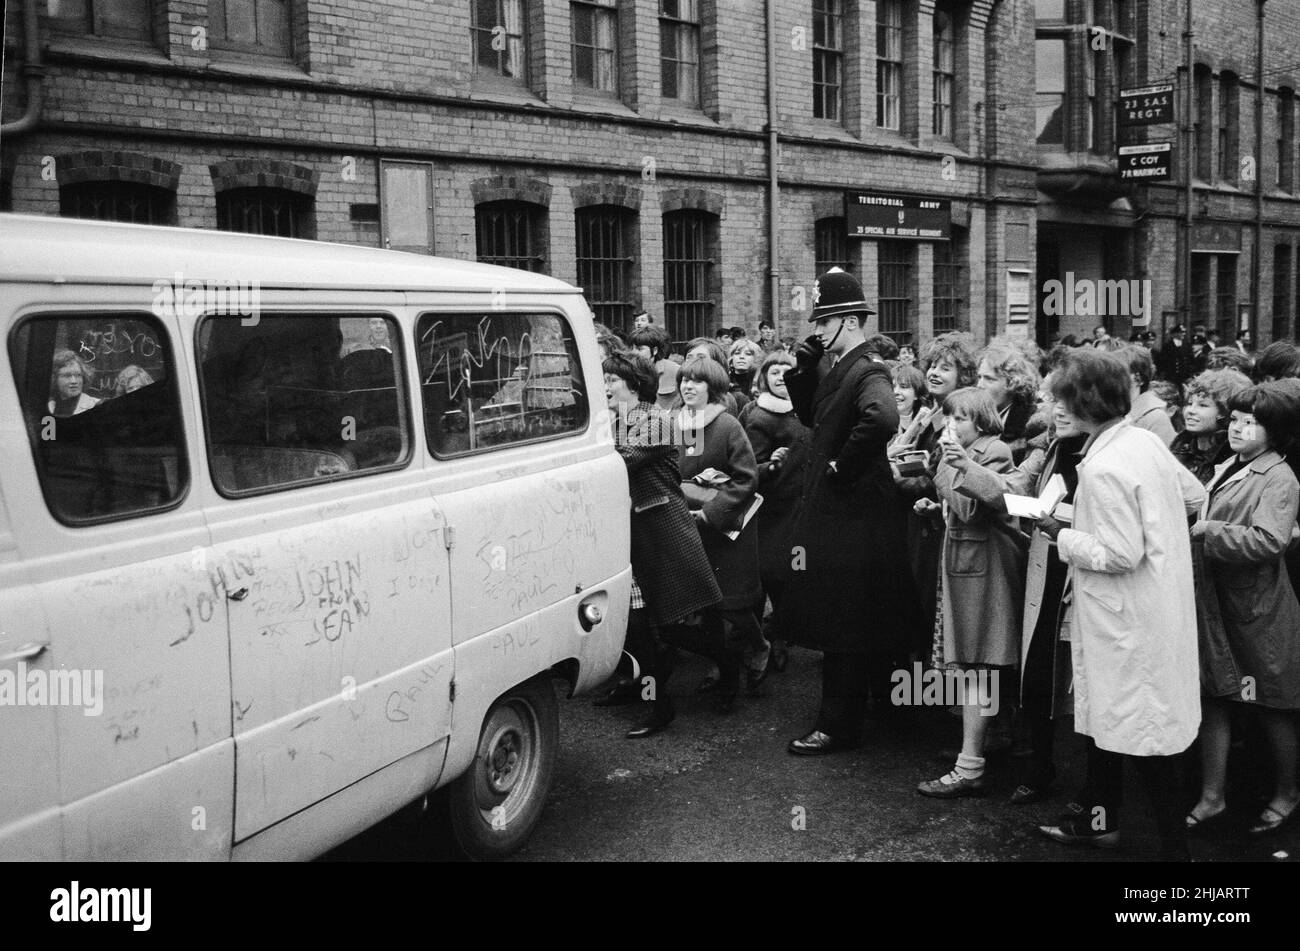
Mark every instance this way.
x=850 y=594
x=1175 y=361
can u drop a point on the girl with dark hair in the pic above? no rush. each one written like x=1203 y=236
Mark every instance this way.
x=780 y=444
x=716 y=451
x=672 y=578
x=1203 y=443
x=910 y=394
x=1280 y=360
x=1245 y=527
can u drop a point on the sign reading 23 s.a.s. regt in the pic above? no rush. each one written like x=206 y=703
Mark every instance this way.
x=1146 y=105
x=1145 y=162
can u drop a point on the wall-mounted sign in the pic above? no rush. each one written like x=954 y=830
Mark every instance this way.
x=898 y=217
x=1017 y=297
x=1214 y=238
x=1145 y=105
x=1146 y=162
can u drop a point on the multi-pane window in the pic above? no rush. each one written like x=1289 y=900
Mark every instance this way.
x=690 y=241
x=1099 y=107
x=679 y=50
x=1049 y=62
x=604 y=241
x=894 y=272
x=595 y=44
x=1226 y=294
x=511 y=233
x=1281 y=292
x=831 y=245
x=945 y=73
x=122 y=19
x=889 y=63
x=948 y=287
x=1203 y=128
x=828 y=58
x=270 y=211
x=1286 y=139
x=99 y=398
x=118 y=201
x=497 y=34
x=1228 y=104
x=250 y=26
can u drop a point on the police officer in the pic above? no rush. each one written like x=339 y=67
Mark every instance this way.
x=850 y=594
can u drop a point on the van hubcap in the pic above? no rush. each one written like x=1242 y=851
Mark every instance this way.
x=508 y=774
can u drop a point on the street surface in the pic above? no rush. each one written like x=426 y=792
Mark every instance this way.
x=723 y=788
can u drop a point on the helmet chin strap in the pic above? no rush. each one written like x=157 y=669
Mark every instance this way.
x=837 y=335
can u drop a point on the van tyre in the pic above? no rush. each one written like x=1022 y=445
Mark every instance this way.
x=495 y=805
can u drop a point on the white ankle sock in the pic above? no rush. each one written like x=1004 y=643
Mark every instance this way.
x=969 y=767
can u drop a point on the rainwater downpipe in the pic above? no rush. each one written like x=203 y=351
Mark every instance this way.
x=32 y=72
x=773 y=187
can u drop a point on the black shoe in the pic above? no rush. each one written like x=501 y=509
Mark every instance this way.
x=1027 y=793
x=656 y=724
x=1077 y=831
x=779 y=659
x=754 y=681
x=818 y=743
x=623 y=692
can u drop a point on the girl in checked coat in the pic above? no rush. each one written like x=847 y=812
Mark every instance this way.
x=1246 y=527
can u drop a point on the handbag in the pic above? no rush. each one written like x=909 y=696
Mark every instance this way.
x=703 y=487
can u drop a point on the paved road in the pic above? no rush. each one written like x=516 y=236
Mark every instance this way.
x=724 y=788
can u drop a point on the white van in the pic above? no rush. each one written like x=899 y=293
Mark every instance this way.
x=291 y=534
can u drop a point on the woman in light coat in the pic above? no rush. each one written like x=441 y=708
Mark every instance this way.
x=1246 y=526
x=1136 y=676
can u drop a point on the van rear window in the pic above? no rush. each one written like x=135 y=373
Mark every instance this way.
x=301 y=398
x=491 y=380
x=100 y=404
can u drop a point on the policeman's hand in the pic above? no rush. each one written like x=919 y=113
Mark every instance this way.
x=809 y=353
x=778 y=456
x=1050 y=527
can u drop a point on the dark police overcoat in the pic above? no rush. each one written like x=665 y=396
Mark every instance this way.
x=851 y=590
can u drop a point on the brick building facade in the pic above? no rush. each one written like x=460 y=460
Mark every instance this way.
x=621 y=146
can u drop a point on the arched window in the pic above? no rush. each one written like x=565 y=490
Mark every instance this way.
x=605 y=239
x=269 y=211
x=512 y=234
x=118 y=201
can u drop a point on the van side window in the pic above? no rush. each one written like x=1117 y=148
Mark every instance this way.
x=498 y=379
x=100 y=403
x=295 y=399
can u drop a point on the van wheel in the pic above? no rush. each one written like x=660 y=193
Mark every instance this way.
x=495 y=805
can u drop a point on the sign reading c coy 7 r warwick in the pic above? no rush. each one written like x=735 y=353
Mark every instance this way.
x=898 y=217
x=1145 y=162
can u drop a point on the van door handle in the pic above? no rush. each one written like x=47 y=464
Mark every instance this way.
x=238 y=595
x=26 y=652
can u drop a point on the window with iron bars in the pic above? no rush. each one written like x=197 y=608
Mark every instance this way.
x=948 y=287
x=605 y=266
x=595 y=43
x=679 y=50
x=120 y=19
x=497 y=38
x=270 y=211
x=889 y=63
x=1201 y=264
x=828 y=58
x=512 y=234
x=690 y=242
x=945 y=74
x=894 y=272
x=831 y=245
x=118 y=201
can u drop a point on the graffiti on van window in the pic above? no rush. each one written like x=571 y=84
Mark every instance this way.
x=509 y=378
x=115 y=356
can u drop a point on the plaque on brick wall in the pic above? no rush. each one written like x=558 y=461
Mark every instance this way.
x=1145 y=105
x=1216 y=237
x=1145 y=162
x=897 y=217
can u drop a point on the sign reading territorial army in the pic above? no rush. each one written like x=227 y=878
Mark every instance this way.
x=1145 y=162
x=1145 y=105
x=905 y=217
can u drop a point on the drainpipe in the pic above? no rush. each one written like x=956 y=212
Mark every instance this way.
x=1258 y=263
x=773 y=188
x=32 y=73
x=1190 y=166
